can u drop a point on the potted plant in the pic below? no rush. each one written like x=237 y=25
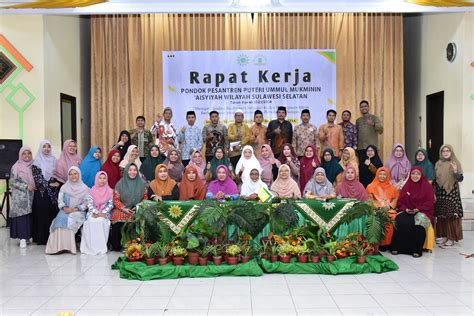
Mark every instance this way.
x=245 y=255
x=361 y=249
x=284 y=251
x=216 y=254
x=302 y=252
x=204 y=253
x=266 y=244
x=274 y=253
x=162 y=251
x=331 y=248
x=314 y=248
x=134 y=251
x=150 y=251
x=233 y=251
x=178 y=253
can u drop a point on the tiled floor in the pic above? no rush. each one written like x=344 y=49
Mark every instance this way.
x=31 y=283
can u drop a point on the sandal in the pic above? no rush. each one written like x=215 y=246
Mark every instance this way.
x=449 y=243
x=441 y=240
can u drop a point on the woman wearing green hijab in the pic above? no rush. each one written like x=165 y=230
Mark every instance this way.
x=421 y=160
x=219 y=158
x=151 y=161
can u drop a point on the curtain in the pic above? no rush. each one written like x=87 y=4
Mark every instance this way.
x=127 y=71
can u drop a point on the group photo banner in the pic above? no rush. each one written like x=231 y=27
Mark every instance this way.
x=228 y=80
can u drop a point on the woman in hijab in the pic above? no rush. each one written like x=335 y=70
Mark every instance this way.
x=399 y=166
x=421 y=159
x=448 y=207
x=22 y=187
x=147 y=169
x=45 y=200
x=132 y=156
x=384 y=195
x=95 y=231
x=111 y=167
x=219 y=158
x=72 y=203
x=91 y=165
x=332 y=167
x=319 y=187
x=191 y=187
x=67 y=159
x=415 y=216
x=198 y=163
x=288 y=156
x=124 y=141
x=223 y=188
x=163 y=187
x=284 y=186
x=350 y=187
x=369 y=165
x=268 y=163
x=247 y=162
x=349 y=158
x=252 y=186
x=175 y=165
x=308 y=163
x=129 y=191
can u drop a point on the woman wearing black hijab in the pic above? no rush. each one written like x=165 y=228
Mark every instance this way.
x=368 y=165
x=123 y=142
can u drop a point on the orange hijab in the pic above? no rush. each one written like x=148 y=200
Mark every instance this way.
x=162 y=187
x=382 y=190
x=191 y=190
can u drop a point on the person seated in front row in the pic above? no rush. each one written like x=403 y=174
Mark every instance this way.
x=192 y=187
x=416 y=215
x=95 y=231
x=163 y=187
x=284 y=186
x=219 y=158
x=129 y=191
x=223 y=188
x=72 y=204
x=319 y=187
x=350 y=187
x=251 y=187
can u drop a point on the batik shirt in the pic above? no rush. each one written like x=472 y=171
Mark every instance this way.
x=304 y=135
x=189 y=140
x=350 y=134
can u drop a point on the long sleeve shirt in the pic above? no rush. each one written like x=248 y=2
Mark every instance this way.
x=238 y=132
x=258 y=137
x=219 y=137
x=105 y=209
x=304 y=135
x=143 y=139
x=190 y=139
x=368 y=134
x=286 y=135
x=331 y=136
x=350 y=134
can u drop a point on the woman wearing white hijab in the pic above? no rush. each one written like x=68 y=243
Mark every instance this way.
x=246 y=163
x=132 y=156
x=251 y=188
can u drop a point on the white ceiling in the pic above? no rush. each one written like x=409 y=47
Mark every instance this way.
x=235 y=6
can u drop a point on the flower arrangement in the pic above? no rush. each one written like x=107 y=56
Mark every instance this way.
x=134 y=250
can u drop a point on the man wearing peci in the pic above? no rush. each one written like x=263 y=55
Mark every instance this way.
x=279 y=131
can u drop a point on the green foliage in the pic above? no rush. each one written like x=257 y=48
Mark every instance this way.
x=282 y=217
x=162 y=249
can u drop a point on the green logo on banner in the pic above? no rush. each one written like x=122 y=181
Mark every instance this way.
x=243 y=60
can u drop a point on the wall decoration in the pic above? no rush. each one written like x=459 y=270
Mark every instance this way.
x=17 y=95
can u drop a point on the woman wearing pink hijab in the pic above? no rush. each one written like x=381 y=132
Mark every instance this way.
x=95 y=231
x=68 y=158
x=399 y=166
x=23 y=186
x=350 y=187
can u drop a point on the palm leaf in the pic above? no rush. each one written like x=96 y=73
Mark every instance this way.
x=282 y=217
x=247 y=217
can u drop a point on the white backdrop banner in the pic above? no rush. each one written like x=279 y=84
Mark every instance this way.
x=249 y=80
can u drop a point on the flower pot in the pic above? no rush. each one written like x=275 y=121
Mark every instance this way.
x=274 y=258
x=133 y=259
x=162 y=261
x=321 y=253
x=245 y=259
x=265 y=257
x=360 y=259
x=193 y=258
x=302 y=259
x=330 y=258
x=232 y=260
x=169 y=258
x=217 y=260
x=374 y=250
x=150 y=261
x=224 y=258
x=285 y=259
x=315 y=259
x=177 y=261
x=203 y=261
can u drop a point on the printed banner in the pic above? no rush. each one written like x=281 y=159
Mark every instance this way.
x=249 y=80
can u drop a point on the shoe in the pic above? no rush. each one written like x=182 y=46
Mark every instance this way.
x=22 y=243
x=449 y=243
x=441 y=240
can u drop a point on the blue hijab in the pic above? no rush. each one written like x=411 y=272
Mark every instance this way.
x=89 y=167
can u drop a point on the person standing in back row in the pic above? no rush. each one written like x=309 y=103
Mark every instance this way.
x=141 y=137
x=305 y=134
x=369 y=127
x=279 y=131
x=331 y=135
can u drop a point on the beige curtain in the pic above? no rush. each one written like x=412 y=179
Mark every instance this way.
x=127 y=72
